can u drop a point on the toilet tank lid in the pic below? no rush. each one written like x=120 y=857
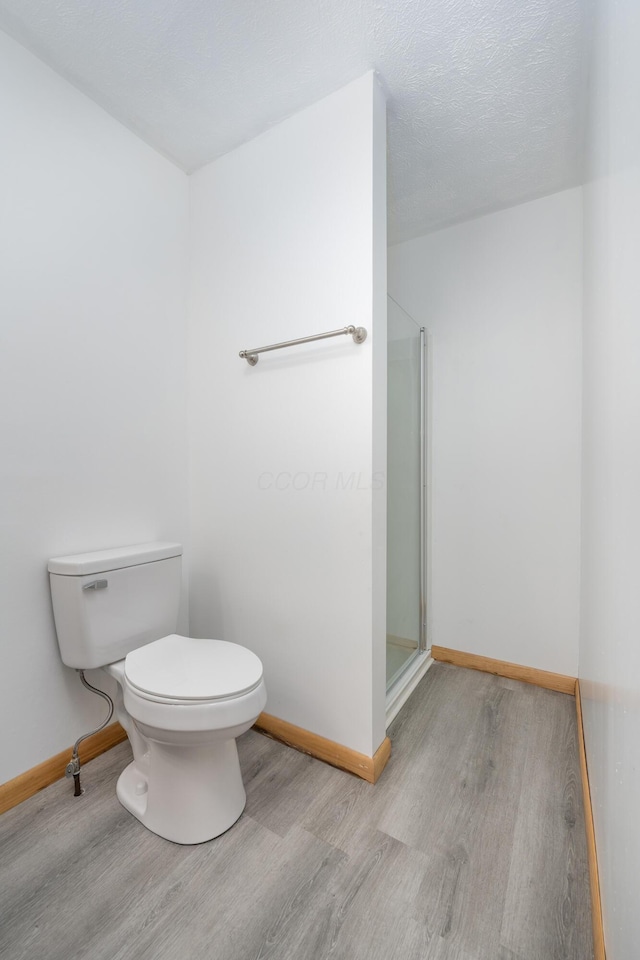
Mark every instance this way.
x=81 y=564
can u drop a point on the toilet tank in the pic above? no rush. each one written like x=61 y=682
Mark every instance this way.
x=112 y=601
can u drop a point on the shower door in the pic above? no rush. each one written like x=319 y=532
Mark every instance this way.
x=406 y=373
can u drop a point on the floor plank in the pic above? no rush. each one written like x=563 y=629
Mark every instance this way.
x=470 y=847
x=548 y=842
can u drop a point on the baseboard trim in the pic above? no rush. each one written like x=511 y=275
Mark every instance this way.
x=37 y=778
x=369 y=768
x=30 y=782
x=594 y=880
x=513 y=671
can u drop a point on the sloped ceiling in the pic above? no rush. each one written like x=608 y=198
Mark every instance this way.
x=485 y=96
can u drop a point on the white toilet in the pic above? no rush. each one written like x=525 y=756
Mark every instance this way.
x=182 y=701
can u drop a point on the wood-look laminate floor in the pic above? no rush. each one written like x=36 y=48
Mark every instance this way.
x=470 y=847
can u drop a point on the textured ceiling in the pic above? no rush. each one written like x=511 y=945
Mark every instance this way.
x=485 y=96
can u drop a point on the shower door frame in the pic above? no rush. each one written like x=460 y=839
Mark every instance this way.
x=407 y=671
x=422 y=646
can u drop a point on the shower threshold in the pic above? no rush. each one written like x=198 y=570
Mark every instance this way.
x=403 y=685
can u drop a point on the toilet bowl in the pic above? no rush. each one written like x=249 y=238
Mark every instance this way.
x=187 y=700
x=182 y=701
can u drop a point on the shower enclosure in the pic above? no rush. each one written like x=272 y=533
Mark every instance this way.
x=406 y=497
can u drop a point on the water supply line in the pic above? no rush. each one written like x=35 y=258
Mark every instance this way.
x=73 y=767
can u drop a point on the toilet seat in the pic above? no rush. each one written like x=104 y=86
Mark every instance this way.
x=187 y=671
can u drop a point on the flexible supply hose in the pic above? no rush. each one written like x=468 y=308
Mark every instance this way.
x=73 y=767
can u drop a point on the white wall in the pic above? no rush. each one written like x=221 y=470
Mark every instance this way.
x=501 y=297
x=287 y=531
x=610 y=629
x=93 y=236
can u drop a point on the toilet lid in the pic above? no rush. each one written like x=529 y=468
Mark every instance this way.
x=183 y=668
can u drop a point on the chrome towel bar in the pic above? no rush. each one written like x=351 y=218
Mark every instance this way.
x=359 y=335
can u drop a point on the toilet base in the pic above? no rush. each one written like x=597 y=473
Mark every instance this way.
x=186 y=794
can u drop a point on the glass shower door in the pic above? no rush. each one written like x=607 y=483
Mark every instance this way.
x=405 y=494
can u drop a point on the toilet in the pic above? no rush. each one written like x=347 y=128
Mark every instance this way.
x=183 y=702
